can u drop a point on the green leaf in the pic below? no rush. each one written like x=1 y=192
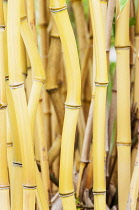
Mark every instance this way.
x=132 y=21
x=122 y=4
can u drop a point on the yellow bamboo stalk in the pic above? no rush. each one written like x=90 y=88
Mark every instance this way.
x=16 y=187
x=43 y=46
x=99 y=129
x=4 y=180
x=38 y=80
x=12 y=132
x=123 y=103
x=19 y=99
x=43 y=151
x=72 y=104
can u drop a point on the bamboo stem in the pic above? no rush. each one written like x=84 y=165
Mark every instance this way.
x=72 y=104
x=101 y=81
x=123 y=103
x=19 y=99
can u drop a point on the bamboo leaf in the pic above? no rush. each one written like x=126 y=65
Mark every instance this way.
x=122 y=4
x=132 y=21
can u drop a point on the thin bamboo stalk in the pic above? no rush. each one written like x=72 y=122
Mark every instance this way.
x=43 y=151
x=59 y=11
x=9 y=147
x=99 y=120
x=134 y=187
x=52 y=71
x=43 y=45
x=123 y=103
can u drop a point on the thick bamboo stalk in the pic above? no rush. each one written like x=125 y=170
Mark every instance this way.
x=99 y=129
x=4 y=180
x=123 y=103
x=19 y=99
x=16 y=187
x=72 y=104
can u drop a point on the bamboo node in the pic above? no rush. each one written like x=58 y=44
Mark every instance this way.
x=54 y=9
x=4 y=187
x=72 y=107
x=3 y=106
x=42 y=25
x=123 y=144
x=66 y=195
x=99 y=193
x=9 y=144
x=16 y=86
x=6 y=78
x=17 y=164
x=24 y=74
x=28 y=67
x=29 y=187
x=101 y=84
x=55 y=36
x=23 y=18
x=39 y=80
x=122 y=48
x=5 y=1
x=2 y=28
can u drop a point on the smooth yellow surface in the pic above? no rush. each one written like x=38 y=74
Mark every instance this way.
x=100 y=43
x=123 y=97
x=2 y=71
x=16 y=188
x=40 y=192
x=122 y=25
x=71 y=58
x=67 y=150
x=29 y=199
x=33 y=103
x=36 y=64
x=13 y=41
x=13 y=125
x=69 y=202
x=4 y=200
x=99 y=139
x=123 y=175
x=25 y=137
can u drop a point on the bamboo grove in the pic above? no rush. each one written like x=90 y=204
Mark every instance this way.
x=69 y=104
